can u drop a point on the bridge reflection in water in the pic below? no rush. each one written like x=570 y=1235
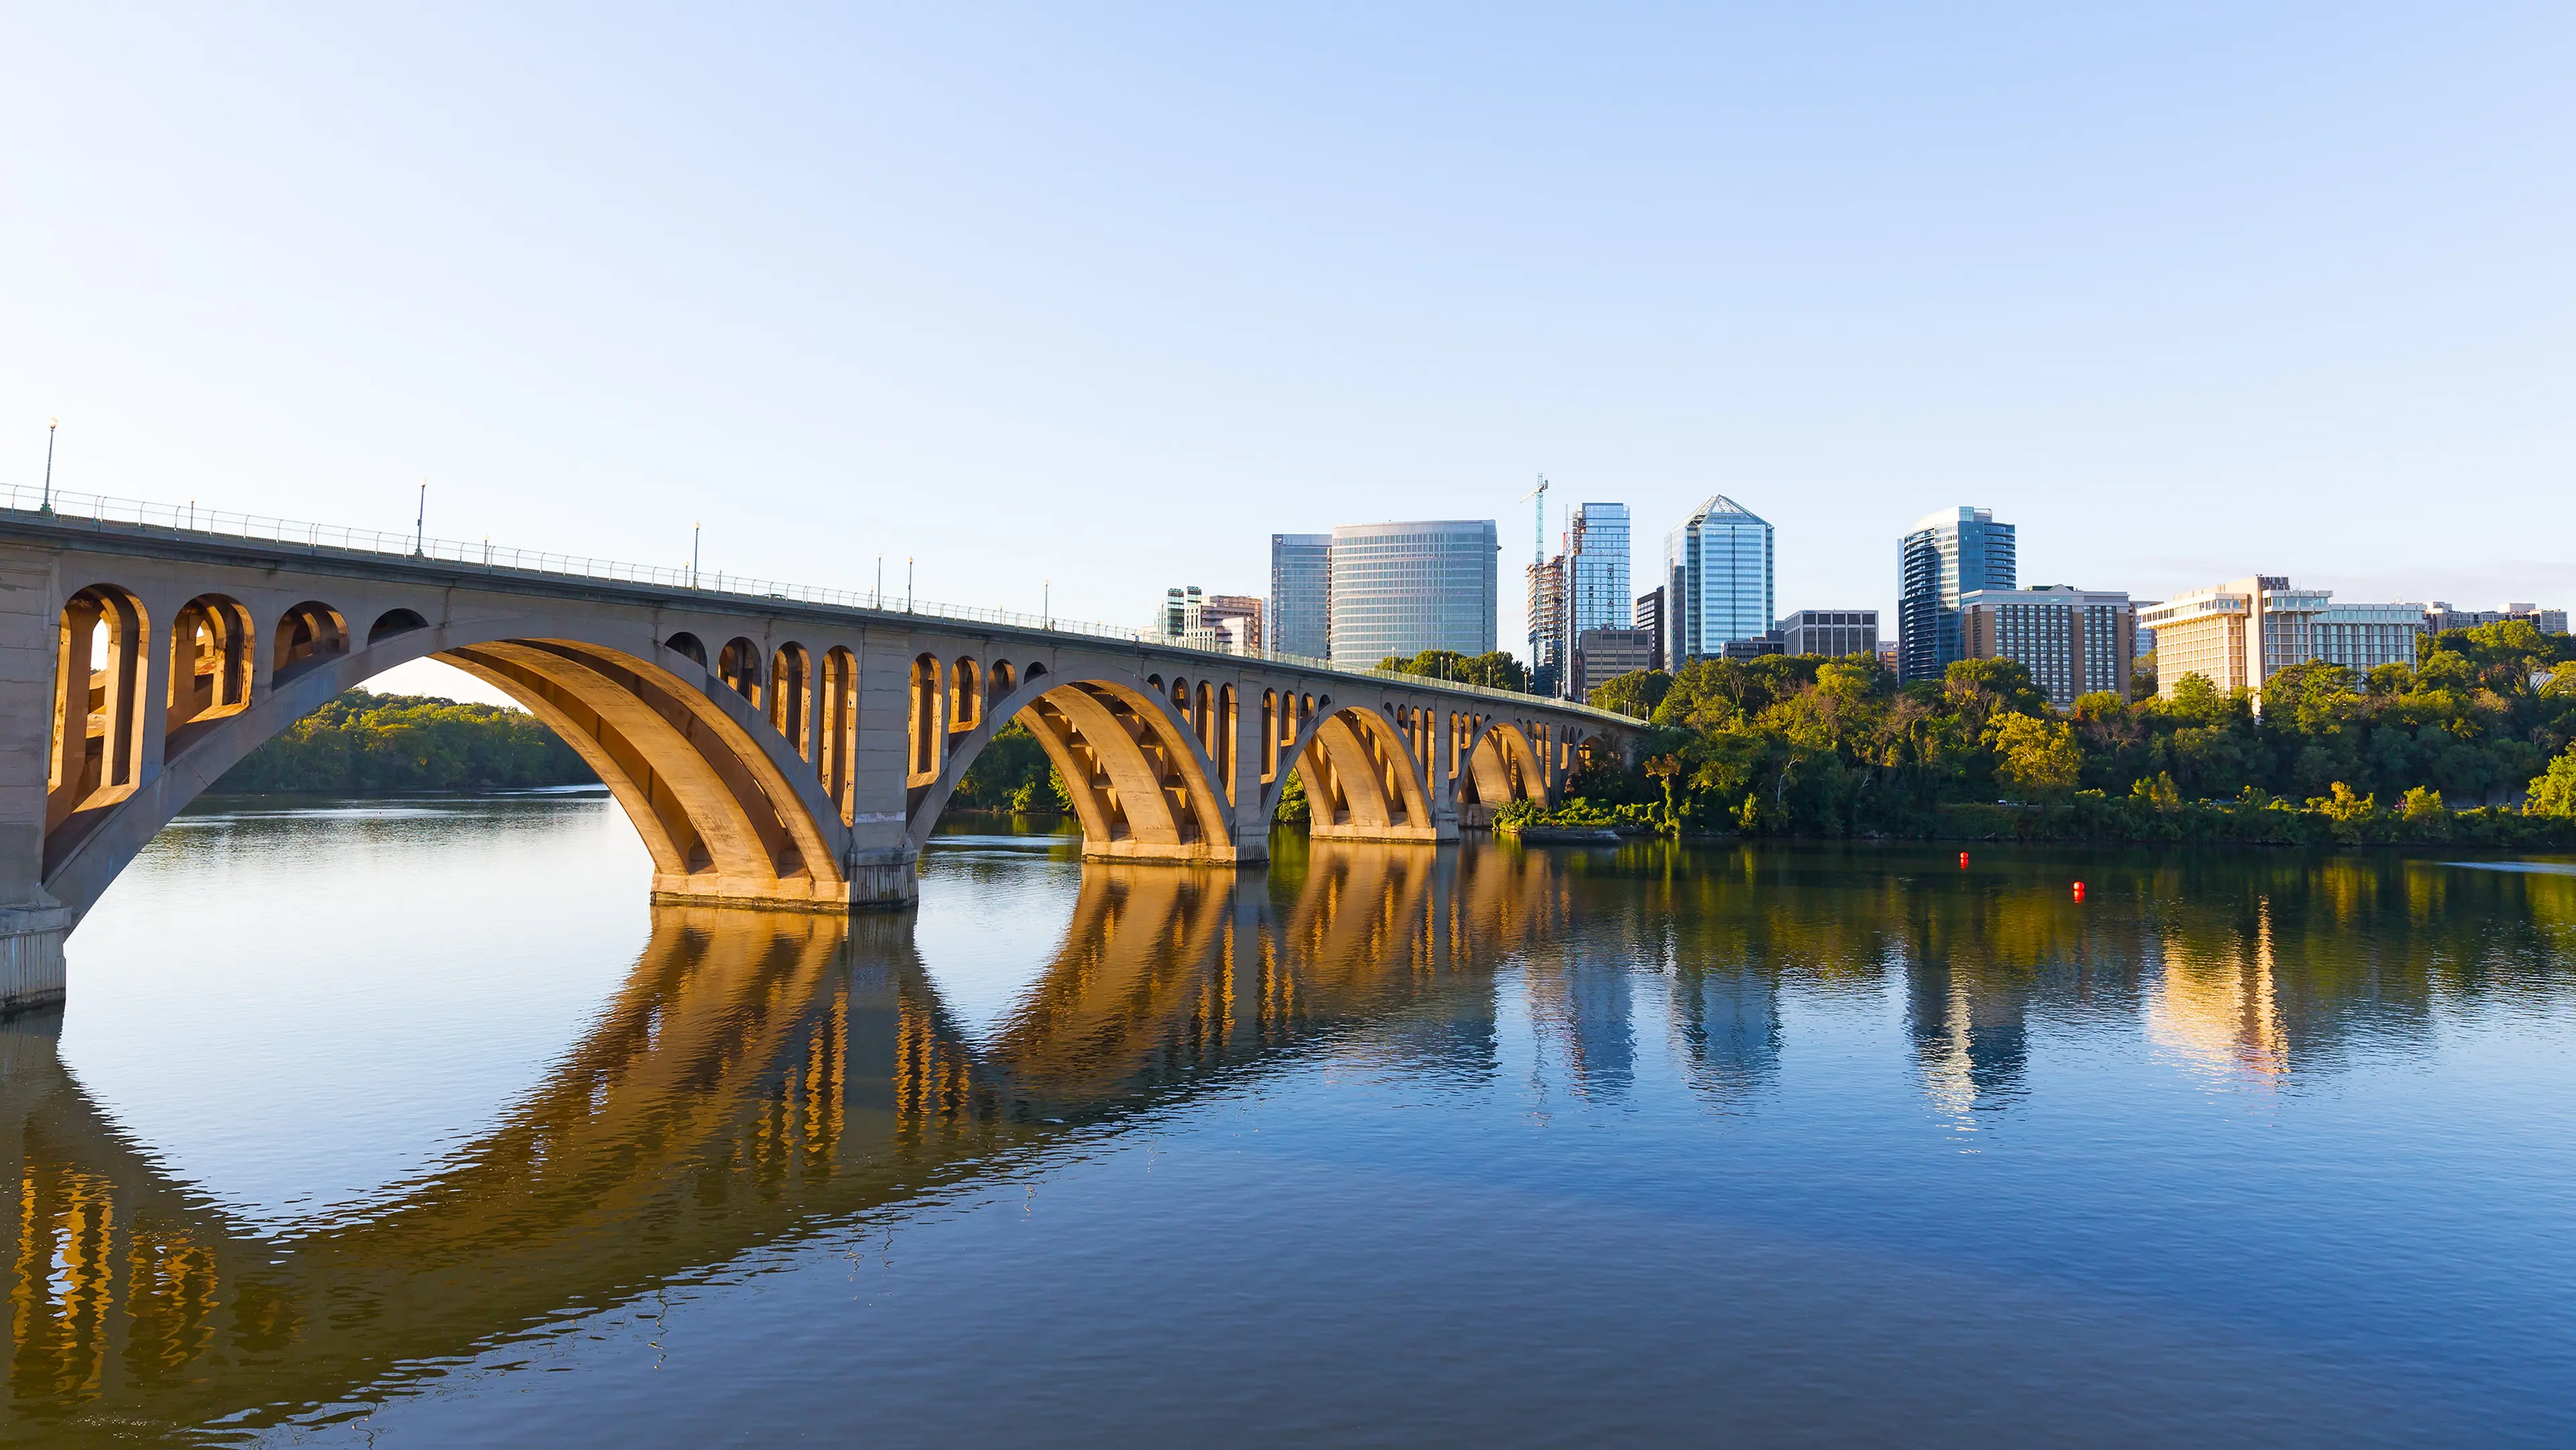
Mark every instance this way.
x=764 y=1076
x=759 y=1071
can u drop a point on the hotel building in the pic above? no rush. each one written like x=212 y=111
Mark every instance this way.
x=2073 y=641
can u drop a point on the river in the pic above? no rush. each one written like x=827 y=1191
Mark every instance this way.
x=412 y=1124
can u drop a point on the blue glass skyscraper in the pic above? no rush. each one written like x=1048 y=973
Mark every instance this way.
x=1717 y=581
x=1945 y=555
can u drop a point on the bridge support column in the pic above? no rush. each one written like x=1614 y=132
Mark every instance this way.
x=32 y=923
x=1251 y=822
x=883 y=871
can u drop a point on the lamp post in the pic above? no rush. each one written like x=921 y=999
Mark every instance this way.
x=420 y=524
x=50 y=425
x=694 y=531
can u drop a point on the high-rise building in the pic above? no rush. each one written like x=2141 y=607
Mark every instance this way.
x=1547 y=625
x=1596 y=577
x=1717 y=581
x=1835 y=632
x=1945 y=555
x=1402 y=588
x=1603 y=655
x=2073 y=641
x=1650 y=618
x=1301 y=572
x=2236 y=635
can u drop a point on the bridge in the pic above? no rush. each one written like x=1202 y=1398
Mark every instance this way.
x=775 y=746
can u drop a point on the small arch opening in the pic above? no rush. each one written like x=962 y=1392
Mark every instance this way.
x=309 y=635
x=97 y=756
x=688 y=644
x=393 y=622
x=210 y=660
x=739 y=668
x=965 y=695
x=791 y=699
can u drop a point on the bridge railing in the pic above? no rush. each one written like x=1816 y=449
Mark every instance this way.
x=189 y=518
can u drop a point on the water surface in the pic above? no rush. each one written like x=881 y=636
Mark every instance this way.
x=414 y=1124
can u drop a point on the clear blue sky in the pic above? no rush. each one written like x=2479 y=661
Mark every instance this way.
x=1105 y=295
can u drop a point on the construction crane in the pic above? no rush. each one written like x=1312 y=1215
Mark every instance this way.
x=1538 y=533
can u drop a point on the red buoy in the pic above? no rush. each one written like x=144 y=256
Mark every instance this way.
x=1963 y=860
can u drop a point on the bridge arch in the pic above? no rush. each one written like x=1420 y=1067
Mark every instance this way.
x=1363 y=780
x=1140 y=783
x=727 y=807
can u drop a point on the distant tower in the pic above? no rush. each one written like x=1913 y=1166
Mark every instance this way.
x=1300 y=594
x=1717 y=581
x=1946 y=554
x=1596 y=581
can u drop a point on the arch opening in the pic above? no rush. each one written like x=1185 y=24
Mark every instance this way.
x=210 y=665
x=688 y=644
x=739 y=667
x=309 y=635
x=791 y=698
x=96 y=756
x=393 y=622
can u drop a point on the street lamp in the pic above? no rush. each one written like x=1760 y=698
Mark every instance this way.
x=50 y=425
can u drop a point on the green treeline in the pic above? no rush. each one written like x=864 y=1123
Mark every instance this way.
x=360 y=743
x=1494 y=669
x=1835 y=747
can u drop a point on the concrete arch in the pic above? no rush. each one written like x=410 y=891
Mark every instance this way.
x=1364 y=781
x=1503 y=766
x=726 y=808
x=1142 y=785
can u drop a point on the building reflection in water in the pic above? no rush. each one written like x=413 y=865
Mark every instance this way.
x=760 y=1073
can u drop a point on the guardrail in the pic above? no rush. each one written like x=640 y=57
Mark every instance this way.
x=189 y=518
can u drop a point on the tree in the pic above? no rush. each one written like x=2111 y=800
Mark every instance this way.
x=1635 y=693
x=2035 y=754
x=2553 y=793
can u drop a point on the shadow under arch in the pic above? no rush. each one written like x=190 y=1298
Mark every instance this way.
x=758 y=1073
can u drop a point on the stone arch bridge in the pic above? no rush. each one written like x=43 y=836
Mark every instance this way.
x=791 y=752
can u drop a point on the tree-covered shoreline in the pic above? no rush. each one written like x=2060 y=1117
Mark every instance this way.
x=363 y=744
x=1810 y=746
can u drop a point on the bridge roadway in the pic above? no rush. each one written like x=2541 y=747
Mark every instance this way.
x=762 y=1078
x=774 y=748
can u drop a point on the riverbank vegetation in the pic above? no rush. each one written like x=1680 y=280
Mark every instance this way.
x=2470 y=744
x=360 y=743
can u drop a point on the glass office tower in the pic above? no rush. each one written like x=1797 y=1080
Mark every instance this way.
x=1717 y=581
x=1596 y=579
x=1402 y=588
x=1943 y=556
x=1300 y=594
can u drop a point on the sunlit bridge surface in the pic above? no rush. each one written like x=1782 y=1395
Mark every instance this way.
x=411 y=1123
